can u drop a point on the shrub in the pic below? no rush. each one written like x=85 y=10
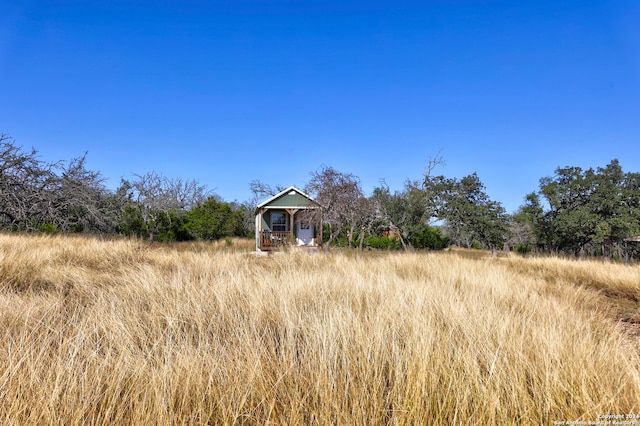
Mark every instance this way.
x=522 y=248
x=382 y=243
x=49 y=228
x=211 y=220
x=428 y=237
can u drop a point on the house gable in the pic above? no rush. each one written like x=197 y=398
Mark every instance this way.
x=291 y=197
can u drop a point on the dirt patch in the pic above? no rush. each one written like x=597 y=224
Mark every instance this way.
x=631 y=332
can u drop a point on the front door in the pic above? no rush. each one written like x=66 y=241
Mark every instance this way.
x=305 y=234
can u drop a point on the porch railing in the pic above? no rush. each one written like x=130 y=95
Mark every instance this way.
x=275 y=239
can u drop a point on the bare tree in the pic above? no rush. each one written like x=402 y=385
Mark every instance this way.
x=156 y=196
x=263 y=190
x=432 y=163
x=82 y=202
x=339 y=194
x=26 y=186
x=366 y=215
x=36 y=195
x=186 y=194
x=68 y=197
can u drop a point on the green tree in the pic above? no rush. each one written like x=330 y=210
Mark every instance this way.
x=213 y=219
x=406 y=210
x=428 y=237
x=520 y=232
x=610 y=201
x=469 y=215
x=532 y=217
x=571 y=216
x=585 y=209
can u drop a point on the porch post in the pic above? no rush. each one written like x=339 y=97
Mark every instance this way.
x=319 y=243
x=291 y=213
x=259 y=230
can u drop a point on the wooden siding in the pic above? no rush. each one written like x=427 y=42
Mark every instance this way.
x=290 y=200
x=266 y=221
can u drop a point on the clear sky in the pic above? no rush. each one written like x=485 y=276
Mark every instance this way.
x=230 y=91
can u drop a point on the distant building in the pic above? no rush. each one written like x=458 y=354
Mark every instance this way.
x=283 y=220
x=390 y=231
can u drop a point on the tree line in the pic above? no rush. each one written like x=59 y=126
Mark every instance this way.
x=592 y=212
x=66 y=197
x=575 y=211
x=582 y=212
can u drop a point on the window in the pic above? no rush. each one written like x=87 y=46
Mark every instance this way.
x=279 y=222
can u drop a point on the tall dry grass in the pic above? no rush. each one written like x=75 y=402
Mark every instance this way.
x=118 y=332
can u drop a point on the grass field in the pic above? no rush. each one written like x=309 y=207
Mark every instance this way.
x=120 y=332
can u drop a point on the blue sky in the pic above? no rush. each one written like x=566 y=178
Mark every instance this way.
x=230 y=91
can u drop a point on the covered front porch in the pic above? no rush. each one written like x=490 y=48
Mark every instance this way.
x=270 y=240
x=281 y=228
